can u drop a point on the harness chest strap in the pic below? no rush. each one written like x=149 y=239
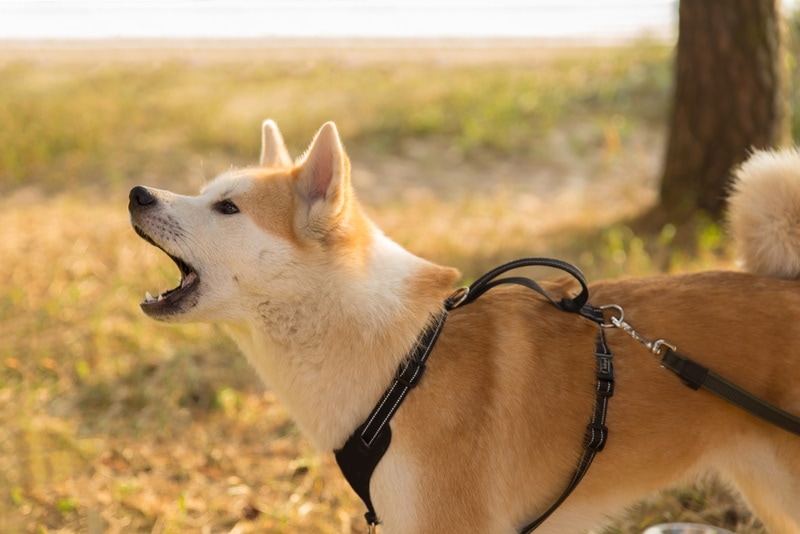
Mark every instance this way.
x=366 y=446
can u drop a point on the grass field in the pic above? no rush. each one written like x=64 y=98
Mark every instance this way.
x=110 y=422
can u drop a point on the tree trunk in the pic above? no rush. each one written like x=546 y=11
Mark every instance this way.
x=728 y=99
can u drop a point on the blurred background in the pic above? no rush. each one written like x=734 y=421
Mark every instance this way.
x=601 y=132
x=415 y=19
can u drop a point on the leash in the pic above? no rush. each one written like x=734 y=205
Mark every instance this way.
x=696 y=376
x=364 y=448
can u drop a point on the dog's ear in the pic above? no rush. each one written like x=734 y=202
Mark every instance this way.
x=323 y=179
x=273 y=149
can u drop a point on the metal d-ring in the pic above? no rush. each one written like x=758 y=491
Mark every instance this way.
x=458 y=297
x=615 y=321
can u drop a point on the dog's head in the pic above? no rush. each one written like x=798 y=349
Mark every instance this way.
x=255 y=234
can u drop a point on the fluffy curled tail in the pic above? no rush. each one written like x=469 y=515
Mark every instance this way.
x=764 y=213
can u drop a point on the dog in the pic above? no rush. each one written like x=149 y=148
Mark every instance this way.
x=326 y=307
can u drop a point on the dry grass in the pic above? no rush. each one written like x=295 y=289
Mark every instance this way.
x=110 y=418
x=111 y=422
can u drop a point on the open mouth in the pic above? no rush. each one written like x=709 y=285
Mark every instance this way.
x=172 y=300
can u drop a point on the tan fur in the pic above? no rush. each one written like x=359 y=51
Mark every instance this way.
x=326 y=307
x=271 y=204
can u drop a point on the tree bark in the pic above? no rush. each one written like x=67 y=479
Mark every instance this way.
x=728 y=99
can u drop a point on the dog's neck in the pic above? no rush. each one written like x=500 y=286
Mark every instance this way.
x=329 y=353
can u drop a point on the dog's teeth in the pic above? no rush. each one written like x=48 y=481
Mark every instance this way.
x=191 y=277
x=160 y=298
x=148 y=297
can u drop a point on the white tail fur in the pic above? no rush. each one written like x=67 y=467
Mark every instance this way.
x=764 y=213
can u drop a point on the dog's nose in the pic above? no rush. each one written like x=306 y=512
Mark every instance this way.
x=140 y=197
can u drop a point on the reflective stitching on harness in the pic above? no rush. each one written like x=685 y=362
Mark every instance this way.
x=367 y=435
x=377 y=411
x=391 y=412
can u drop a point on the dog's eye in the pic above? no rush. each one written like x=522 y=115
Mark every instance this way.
x=226 y=207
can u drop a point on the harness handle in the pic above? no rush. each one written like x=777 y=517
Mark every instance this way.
x=576 y=304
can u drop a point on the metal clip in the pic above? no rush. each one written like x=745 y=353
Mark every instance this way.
x=660 y=346
x=657 y=348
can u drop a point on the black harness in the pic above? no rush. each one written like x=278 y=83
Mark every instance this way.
x=366 y=446
x=369 y=442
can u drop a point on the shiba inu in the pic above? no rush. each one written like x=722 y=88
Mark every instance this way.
x=326 y=307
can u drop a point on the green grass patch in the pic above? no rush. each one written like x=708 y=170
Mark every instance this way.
x=84 y=123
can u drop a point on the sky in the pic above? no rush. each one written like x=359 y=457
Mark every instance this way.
x=89 y=19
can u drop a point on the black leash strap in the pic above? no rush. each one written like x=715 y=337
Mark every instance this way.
x=697 y=376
